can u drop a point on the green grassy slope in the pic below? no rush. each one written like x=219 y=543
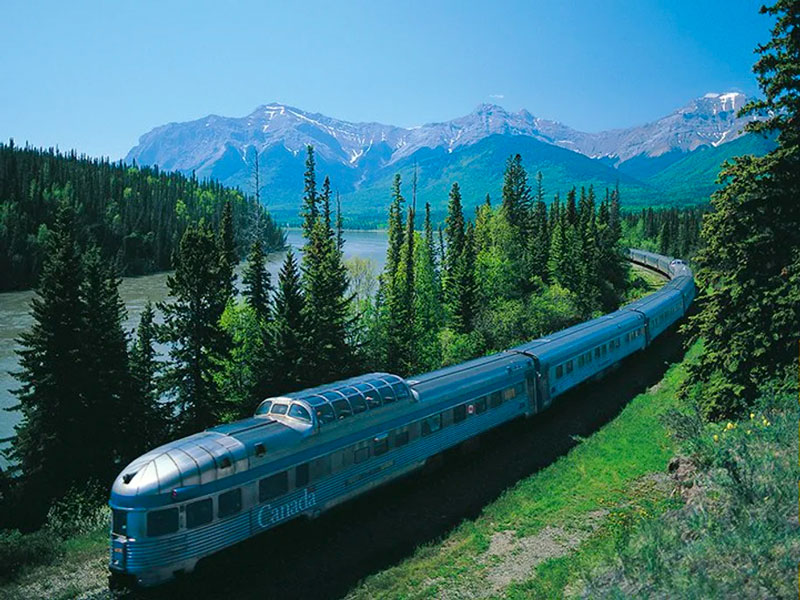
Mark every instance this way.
x=692 y=179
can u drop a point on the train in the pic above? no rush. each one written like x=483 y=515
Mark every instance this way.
x=305 y=452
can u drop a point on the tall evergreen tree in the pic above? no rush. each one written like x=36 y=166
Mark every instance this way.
x=191 y=327
x=227 y=248
x=288 y=330
x=464 y=299
x=395 y=230
x=50 y=447
x=257 y=281
x=310 y=208
x=750 y=266
x=150 y=418
x=454 y=236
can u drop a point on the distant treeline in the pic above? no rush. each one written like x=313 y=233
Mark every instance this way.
x=671 y=231
x=134 y=215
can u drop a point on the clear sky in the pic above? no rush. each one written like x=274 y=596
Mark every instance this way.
x=95 y=76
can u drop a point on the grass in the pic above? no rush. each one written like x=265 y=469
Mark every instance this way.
x=590 y=494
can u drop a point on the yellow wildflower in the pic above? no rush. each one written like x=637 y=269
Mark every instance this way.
x=752 y=415
x=716 y=437
x=729 y=426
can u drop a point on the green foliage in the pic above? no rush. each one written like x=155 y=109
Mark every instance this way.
x=289 y=333
x=257 y=281
x=76 y=389
x=244 y=372
x=135 y=216
x=749 y=268
x=199 y=293
x=20 y=550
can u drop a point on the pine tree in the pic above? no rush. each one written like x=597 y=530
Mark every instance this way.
x=464 y=298
x=395 y=231
x=150 y=418
x=339 y=224
x=191 y=327
x=289 y=331
x=257 y=281
x=454 y=236
x=50 y=447
x=749 y=313
x=310 y=208
x=227 y=248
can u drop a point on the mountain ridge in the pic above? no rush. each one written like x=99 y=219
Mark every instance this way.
x=359 y=155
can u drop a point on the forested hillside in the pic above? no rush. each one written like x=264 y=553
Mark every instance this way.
x=135 y=216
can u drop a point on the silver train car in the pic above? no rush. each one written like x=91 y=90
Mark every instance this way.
x=302 y=453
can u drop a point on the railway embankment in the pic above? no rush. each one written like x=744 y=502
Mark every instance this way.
x=657 y=503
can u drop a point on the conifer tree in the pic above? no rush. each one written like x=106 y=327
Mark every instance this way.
x=289 y=331
x=191 y=327
x=310 y=208
x=464 y=297
x=227 y=248
x=454 y=236
x=49 y=447
x=339 y=224
x=257 y=281
x=395 y=231
x=150 y=419
x=749 y=313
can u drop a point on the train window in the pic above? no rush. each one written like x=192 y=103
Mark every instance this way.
x=580 y=361
x=431 y=424
x=119 y=522
x=519 y=389
x=320 y=467
x=617 y=343
x=374 y=400
x=380 y=445
x=162 y=522
x=358 y=403
x=342 y=408
x=495 y=399
x=361 y=454
x=299 y=412
x=301 y=475
x=325 y=414
x=588 y=357
x=480 y=404
x=273 y=486
x=509 y=393
x=400 y=390
x=229 y=503
x=264 y=407
x=260 y=449
x=459 y=413
x=603 y=349
x=400 y=438
x=597 y=352
x=199 y=513
x=569 y=366
x=279 y=409
x=559 y=371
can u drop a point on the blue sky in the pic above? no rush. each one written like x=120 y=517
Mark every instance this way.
x=95 y=76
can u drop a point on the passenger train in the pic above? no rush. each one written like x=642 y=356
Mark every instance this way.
x=304 y=452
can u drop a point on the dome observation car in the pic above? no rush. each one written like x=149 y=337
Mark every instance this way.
x=334 y=402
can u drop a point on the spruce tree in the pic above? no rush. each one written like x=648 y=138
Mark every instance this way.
x=395 y=231
x=454 y=236
x=465 y=292
x=150 y=417
x=310 y=208
x=191 y=326
x=50 y=448
x=227 y=248
x=257 y=281
x=288 y=330
x=749 y=314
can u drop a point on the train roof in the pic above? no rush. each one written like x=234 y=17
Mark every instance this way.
x=473 y=373
x=563 y=343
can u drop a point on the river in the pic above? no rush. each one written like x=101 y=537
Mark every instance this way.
x=15 y=315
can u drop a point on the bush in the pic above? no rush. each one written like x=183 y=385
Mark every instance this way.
x=80 y=511
x=18 y=550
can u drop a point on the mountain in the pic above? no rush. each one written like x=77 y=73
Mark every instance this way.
x=693 y=177
x=361 y=158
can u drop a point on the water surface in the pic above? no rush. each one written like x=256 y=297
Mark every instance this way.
x=15 y=315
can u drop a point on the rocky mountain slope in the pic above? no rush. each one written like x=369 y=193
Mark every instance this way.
x=361 y=157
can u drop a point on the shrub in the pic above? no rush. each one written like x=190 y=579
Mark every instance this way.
x=18 y=550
